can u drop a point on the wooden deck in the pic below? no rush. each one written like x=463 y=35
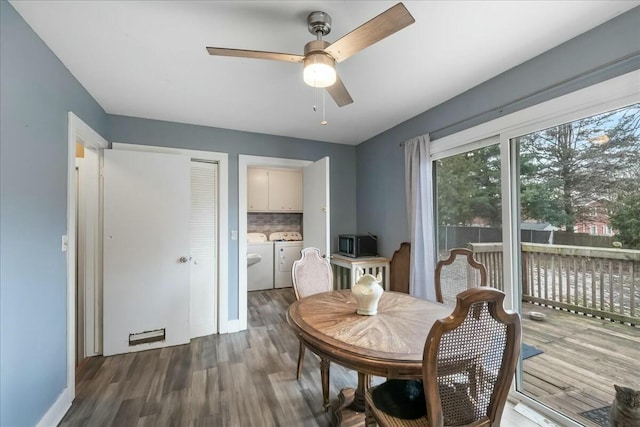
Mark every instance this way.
x=583 y=357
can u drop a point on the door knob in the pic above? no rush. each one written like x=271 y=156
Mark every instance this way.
x=184 y=259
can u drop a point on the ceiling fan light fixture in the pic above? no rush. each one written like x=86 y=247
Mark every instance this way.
x=320 y=57
x=319 y=70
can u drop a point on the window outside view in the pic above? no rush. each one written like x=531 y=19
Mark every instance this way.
x=469 y=203
x=579 y=204
x=469 y=208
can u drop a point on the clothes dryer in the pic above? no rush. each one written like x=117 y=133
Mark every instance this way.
x=286 y=247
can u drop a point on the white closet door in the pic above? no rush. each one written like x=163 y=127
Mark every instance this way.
x=204 y=244
x=146 y=250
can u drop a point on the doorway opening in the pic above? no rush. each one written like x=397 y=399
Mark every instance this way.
x=315 y=209
x=83 y=245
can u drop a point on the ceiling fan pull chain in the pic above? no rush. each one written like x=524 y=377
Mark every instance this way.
x=315 y=90
x=324 y=120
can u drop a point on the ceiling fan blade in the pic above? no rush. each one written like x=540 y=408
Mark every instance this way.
x=383 y=25
x=257 y=54
x=339 y=93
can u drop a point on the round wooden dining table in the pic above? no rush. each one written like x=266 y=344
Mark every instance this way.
x=388 y=344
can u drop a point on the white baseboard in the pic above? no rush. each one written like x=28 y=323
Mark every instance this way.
x=56 y=412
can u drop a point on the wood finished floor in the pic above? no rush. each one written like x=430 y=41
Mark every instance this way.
x=241 y=379
x=583 y=357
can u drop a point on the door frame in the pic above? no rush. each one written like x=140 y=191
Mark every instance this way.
x=244 y=162
x=223 y=218
x=78 y=132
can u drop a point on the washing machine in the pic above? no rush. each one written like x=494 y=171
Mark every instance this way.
x=259 y=262
x=286 y=248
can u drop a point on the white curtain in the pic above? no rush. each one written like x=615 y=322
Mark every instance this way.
x=418 y=173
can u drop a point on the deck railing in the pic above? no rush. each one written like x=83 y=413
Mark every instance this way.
x=596 y=281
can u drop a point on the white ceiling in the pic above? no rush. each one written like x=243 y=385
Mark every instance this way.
x=148 y=59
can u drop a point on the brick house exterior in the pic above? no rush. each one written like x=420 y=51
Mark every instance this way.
x=595 y=220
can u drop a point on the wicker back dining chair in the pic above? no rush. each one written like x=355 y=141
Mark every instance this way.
x=479 y=338
x=459 y=272
x=312 y=274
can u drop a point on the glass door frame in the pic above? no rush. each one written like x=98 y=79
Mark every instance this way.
x=608 y=95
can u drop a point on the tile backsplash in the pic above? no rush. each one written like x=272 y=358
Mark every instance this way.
x=271 y=222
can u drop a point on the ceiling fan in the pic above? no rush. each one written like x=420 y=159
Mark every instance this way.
x=320 y=57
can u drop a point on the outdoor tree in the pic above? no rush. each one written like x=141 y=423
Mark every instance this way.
x=455 y=190
x=488 y=201
x=562 y=169
x=468 y=187
x=625 y=219
x=567 y=166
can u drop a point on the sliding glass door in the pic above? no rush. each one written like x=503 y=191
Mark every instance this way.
x=550 y=204
x=579 y=221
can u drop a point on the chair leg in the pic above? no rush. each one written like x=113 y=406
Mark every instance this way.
x=324 y=374
x=300 y=360
x=369 y=420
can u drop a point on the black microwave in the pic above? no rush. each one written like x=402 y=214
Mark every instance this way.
x=357 y=246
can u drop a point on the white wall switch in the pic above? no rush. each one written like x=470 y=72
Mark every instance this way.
x=234 y=234
x=65 y=243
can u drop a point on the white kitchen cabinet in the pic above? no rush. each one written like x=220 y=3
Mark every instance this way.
x=285 y=190
x=257 y=190
x=274 y=190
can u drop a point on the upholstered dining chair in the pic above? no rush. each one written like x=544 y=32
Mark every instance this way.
x=460 y=271
x=480 y=336
x=312 y=274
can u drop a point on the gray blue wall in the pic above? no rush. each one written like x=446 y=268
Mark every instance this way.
x=606 y=51
x=36 y=92
x=165 y=134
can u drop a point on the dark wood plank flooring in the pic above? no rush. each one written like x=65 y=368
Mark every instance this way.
x=241 y=379
x=248 y=378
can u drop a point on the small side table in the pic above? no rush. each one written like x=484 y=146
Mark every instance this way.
x=346 y=268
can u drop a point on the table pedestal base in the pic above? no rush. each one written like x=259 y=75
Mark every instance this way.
x=349 y=409
x=345 y=412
